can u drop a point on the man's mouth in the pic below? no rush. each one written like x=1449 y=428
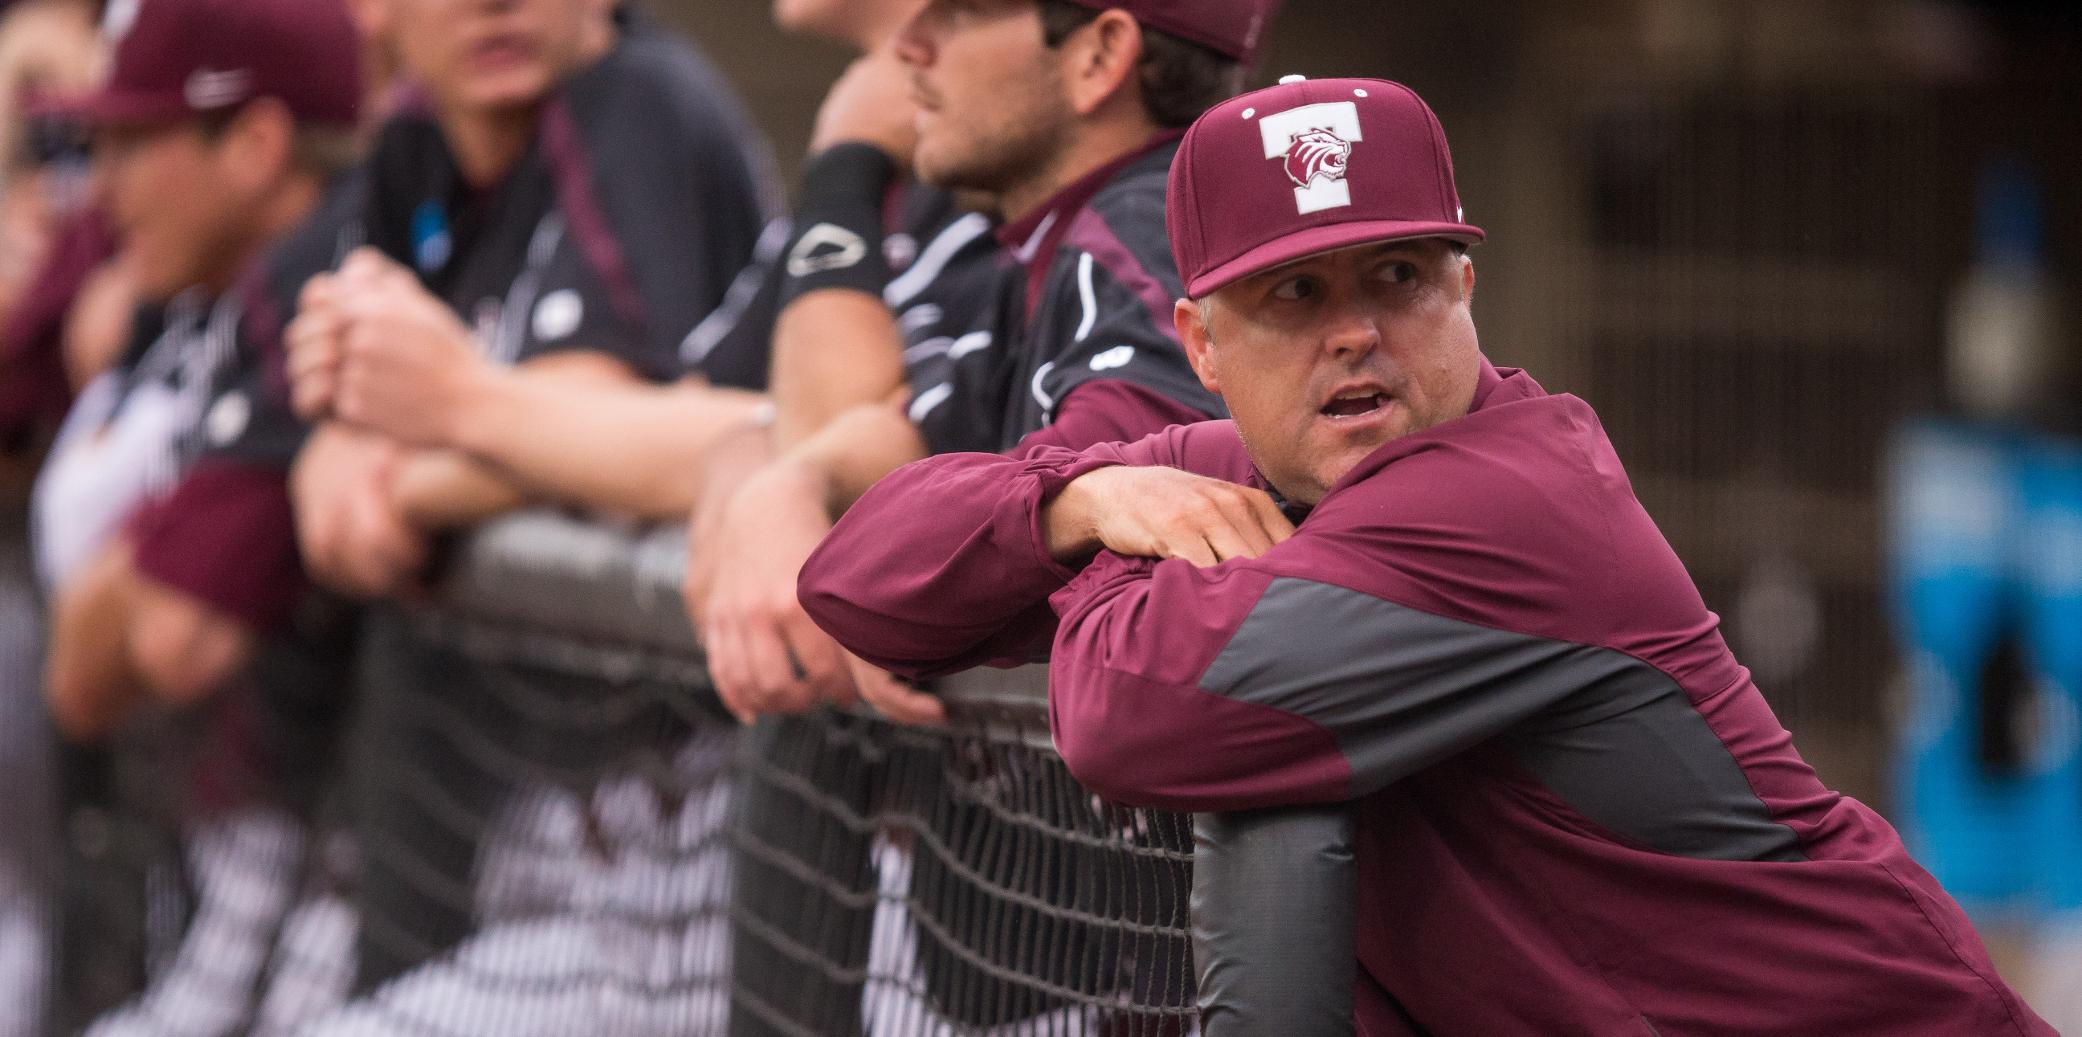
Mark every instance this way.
x=1354 y=403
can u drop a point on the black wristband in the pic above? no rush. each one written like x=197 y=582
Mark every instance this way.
x=837 y=241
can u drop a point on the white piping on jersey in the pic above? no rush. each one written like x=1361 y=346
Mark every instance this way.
x=1088 y=295
x=974 y=341
x=1032 y=245
x=1047 y=404
x=928 y=349
x=934 y=259
x=918 y=318
x=951 y=348
x=520 y=299
x=189 y=356
x=930 y=399
x=715 y=327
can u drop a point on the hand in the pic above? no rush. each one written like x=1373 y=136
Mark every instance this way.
x=101 y=321
x=312 y=343
x=1160 y=512
x=894 y=697
x=352 y=535
x=870 y=104
x=765 y=655
x=407 y=366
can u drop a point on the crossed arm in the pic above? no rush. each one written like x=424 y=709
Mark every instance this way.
x=1289 y=670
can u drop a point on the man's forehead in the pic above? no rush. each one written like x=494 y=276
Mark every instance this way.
x=1414 y=247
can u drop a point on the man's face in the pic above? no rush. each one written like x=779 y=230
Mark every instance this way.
x=991 y=105
x=1325 y=359
x=172 y=193
x=495 y=55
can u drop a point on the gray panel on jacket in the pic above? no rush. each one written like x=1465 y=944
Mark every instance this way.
x=1401 y=689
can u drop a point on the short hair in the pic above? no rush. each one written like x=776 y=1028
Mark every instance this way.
x=322 y=151
x=1180 y=79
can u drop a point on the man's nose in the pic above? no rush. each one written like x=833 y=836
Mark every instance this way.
x=1352 y=336
x=914 y=44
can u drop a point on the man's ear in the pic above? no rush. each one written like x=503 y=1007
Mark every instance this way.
x=1467 y=277
x=1101 y=60
x=254 y=151
x=1198 y=342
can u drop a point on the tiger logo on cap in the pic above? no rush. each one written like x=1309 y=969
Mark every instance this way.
x=1318 y=155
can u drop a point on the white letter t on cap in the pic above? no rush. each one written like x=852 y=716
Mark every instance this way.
x=1282 y=133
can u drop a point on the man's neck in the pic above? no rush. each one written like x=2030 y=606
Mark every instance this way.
x=1092 y=148
x=488 y=144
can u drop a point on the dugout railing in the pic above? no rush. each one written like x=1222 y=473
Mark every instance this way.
x=516 y=807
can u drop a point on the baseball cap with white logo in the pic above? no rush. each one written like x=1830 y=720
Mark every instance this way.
x=1304 y=167
x=177 y=59
x=1232 y=28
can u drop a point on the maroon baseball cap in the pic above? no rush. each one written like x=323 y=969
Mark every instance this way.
x=1232 y=28
x=176 y=59
x=1304 y=167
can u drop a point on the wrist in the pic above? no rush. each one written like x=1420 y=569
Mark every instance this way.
x=837 y=238
x=483 y=410
x=800 y=476
x=850 y=173
x=1069 y=523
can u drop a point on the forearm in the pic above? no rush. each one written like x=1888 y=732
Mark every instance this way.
x=1136 y=641
x=444 y=489
x=855 y=451
x=833 y=350
x=633 y=449
x=835 y=343
x=982 y=598
x=89 y=679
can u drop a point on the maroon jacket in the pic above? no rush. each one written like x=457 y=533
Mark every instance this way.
x=1576 y=814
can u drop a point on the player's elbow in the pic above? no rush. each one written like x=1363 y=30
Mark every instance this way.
x=184 y=652
x=1121 y=763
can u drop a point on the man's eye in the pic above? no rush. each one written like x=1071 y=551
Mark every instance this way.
x=1399 y=273
x=1294 y=289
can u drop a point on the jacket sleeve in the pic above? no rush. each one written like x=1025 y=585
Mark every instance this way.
x=1273 y=681
x=942 y=565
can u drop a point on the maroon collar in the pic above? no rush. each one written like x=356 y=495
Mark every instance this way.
x=1034 y=237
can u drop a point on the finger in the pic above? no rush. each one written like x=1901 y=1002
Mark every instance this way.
x=821 y=664
x=774 y=684
x=316 y=294
x=1245 y=527
x=896 y=699
x=1269 y=517
x=311 y=396
x=1188 y=542
x=1229 y=539
x=727 y=672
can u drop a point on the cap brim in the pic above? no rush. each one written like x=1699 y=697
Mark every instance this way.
x=1303 y=244
x=114 y=108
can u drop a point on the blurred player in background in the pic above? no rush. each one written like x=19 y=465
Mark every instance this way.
x=1065 y=115
x=572 y=197
x=1575 y=811
x=225 y=193
x=47 y=48
x=222 y=136
x=1062 y=117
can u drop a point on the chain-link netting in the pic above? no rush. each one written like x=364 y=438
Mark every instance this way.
x=540 y=833
x=469 y=820
x=897 y=881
